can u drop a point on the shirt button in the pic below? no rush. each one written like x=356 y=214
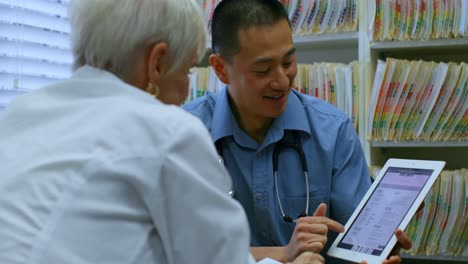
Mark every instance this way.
x=264 y=234
x=259 y=196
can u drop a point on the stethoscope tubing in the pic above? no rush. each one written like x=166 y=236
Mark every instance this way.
x=277 y=150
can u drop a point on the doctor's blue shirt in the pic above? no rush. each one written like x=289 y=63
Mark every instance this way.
x=338 y=173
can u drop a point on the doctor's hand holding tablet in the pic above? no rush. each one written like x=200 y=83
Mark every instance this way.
x=310 y=234
x=389 y=205
x=373 y=234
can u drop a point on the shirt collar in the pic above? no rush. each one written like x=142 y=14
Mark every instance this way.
x=225 y=124
x=294 y=117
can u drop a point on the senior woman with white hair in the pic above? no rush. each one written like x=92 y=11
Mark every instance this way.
x=96 y=170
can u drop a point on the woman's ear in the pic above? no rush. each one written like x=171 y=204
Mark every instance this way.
x=219 y=67
x=157 y=61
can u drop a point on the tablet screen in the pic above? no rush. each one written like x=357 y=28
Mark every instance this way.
x=385 y=209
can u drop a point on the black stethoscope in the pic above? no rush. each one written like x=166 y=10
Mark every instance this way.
x=280 y=146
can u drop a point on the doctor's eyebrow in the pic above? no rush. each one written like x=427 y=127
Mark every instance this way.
x=262 y=60
x=290 y=52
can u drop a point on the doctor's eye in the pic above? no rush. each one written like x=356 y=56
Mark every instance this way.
x=264 y=72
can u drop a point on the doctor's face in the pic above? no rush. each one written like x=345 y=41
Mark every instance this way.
x=262 y=72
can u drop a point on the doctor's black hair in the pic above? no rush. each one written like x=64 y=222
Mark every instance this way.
x=230 y=16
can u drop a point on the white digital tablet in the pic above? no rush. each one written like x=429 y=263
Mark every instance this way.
x=390 y=203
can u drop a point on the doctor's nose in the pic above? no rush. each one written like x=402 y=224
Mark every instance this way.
x=280 y=79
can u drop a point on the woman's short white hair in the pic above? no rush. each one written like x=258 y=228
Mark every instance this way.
x=110 y=34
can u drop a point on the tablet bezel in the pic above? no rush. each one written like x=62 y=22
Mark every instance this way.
x=350 y=255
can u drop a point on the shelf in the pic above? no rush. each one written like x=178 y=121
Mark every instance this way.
x=403 y=144
x=329 y=40
x=450 y=259
x=420 y=44
x=330 y=47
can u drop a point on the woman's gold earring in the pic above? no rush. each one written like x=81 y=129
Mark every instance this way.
x=156 y=91
x=149 y=88
x=152 y=89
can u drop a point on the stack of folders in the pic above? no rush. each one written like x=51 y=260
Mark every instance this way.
x=418 y=101
x=309 y=17
x=312 y=17
x=336 y=83
x=203 y=80
x=441 y=227
x=417 y=19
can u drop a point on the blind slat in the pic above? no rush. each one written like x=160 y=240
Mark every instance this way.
x=23 y=82
x=35 y=35
x=53 y=8
x=33 y=19
x=34 y=51
x=34 y=68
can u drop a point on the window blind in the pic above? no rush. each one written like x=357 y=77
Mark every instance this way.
x=34 y=45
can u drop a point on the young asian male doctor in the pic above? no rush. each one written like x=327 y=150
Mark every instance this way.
x=288 y=154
